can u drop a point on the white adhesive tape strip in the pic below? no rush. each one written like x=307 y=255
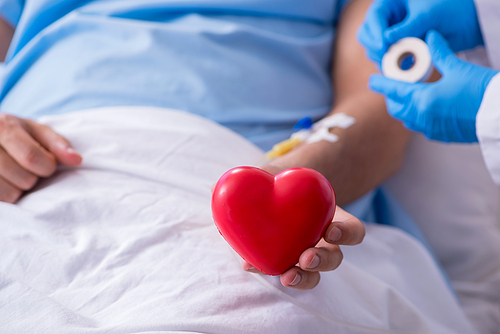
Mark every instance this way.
x=320 y=130
x=322 y=134
x=301 y=135
x=407 y=47
x=340 y=120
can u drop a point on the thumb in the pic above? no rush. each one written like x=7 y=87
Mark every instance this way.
x=409 y=27
x=54 y=143
x=442 y=55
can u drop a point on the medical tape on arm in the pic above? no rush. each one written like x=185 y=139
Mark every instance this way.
x=318 y=132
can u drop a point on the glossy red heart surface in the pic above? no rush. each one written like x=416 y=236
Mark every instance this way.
x=270 y=220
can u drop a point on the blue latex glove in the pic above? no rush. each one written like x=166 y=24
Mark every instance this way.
x=388 y=21
x=445 y=110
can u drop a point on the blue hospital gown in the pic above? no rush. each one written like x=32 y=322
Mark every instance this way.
x=255 y=66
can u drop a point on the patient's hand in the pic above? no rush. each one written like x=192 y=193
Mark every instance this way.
x=28 y=151
x=345 y=229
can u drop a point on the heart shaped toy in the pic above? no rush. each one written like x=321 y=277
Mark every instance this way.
x=270 y=220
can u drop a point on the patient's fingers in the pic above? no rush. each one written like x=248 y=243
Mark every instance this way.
x=8 y=193
x=12 y=172
x=345 y=229
x=326 y=256
x=323 y=257
x=54 y=143
x=299 y=279
x=294 y=277
x=248 y=267
x=28 y=153
x=29 y=150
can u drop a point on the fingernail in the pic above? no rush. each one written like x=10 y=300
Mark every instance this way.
x=334 y=235
x=250 y=269
x=314 y=262
x=71 y=150
x=296 y=280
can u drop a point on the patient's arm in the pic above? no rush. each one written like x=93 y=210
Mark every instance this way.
x=6 y=33
x=366 y=154
x=371 y=150
x=29 y=150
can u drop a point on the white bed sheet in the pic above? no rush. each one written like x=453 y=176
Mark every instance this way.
x=126 y=244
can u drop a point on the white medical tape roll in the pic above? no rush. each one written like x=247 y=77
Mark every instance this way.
x=392 y=60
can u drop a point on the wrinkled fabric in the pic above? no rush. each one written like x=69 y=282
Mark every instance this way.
x=126 y=243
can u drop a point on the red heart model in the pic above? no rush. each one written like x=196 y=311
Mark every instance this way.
x=270 y=220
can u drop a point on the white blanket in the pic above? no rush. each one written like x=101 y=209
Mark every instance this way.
x=126 y=244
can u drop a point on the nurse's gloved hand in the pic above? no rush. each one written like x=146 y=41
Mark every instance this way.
x=445 y=110
x=388 y=21
x=345 y=229
x=29 y=151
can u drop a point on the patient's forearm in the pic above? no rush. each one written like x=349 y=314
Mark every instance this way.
x=371 y=150
x=366 y=154
x=6 y=33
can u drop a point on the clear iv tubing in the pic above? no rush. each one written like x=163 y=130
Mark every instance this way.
x=330 y=318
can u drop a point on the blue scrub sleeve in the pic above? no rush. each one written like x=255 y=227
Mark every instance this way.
x=10 y=10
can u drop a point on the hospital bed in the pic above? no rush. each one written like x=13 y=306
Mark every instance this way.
x=125 y=243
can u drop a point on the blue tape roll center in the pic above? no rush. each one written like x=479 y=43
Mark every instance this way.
x=406 y=61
